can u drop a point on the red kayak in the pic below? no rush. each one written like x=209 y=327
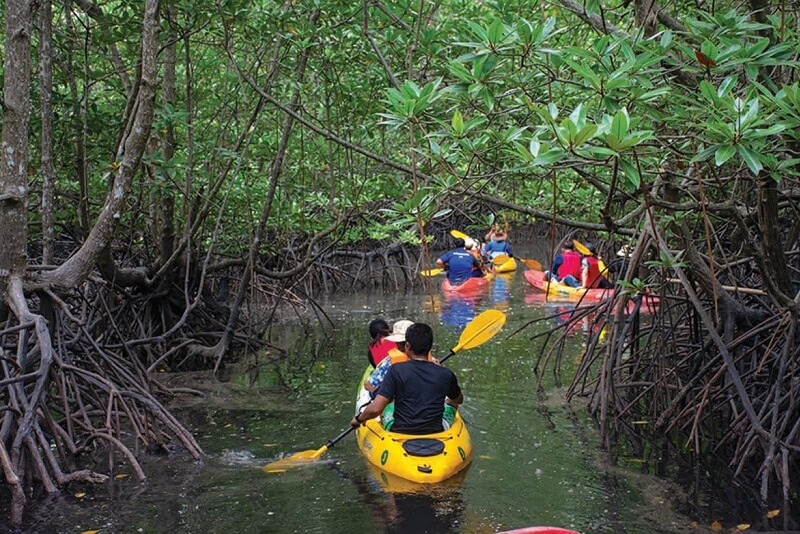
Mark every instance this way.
x=539 y=530
x=559 y=290
x=470 y=285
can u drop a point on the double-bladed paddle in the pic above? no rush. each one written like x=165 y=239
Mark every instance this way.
x=480 y=330
x=431 y=272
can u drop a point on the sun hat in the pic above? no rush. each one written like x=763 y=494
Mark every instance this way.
x=499 y=235
x=624 y=252
x=399 y=330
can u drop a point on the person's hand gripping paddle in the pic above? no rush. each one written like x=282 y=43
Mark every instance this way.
x=480 y=330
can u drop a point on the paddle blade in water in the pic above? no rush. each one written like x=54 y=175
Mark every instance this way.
x=500 y=259
x=532 y=264
x=295 y=460
x=481 y=329
x=431 y=272
x=458 y=235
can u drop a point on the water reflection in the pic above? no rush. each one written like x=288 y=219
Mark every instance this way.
x=501 y=290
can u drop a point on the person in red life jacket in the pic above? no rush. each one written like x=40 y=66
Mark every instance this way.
x=591 y=277
x=379 y=346
x=460 y=264
x=418 y=387
x=396 y=354
x=566 y=267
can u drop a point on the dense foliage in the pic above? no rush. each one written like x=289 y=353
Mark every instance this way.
x=198 y=157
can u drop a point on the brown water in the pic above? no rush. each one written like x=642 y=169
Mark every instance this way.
x=536 y=460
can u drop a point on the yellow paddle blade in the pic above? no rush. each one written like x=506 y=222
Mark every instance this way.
x=481 y=329
x=500 y=259
x=580 y=247
x=431 y=272
x=294 y=460
x=532 y=264
x=601 y=265
x=458 y=235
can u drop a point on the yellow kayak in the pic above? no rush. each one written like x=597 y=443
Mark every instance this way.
x=424 y=458
x=508 y=266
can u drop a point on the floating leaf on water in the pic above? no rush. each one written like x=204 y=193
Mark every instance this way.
x=772 y=513
x=275 y=470
x=121 y=476
x=641 y=423
x=80 y=495
x=228 y=425
x=716 y=526
x=270 y=444
x=486 y=457
x=743 y=526
x=90 y=532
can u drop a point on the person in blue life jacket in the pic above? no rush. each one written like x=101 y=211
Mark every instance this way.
x=425 y=394
x=460 y=264
x=497 y=243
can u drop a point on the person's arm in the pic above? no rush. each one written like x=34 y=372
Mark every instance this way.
x=584 y=273
x=454 y=395
x=373 y=410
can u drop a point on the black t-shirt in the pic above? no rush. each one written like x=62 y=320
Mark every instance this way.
x=418 y=389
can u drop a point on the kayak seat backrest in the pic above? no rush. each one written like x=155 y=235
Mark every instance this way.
x=423 y=447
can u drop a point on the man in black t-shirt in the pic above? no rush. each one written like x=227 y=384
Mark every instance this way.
x=418 y=388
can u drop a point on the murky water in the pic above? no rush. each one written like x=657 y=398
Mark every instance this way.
x=536 y=460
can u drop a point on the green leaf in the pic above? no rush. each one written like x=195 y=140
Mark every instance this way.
x=630 y=172
x=458 y=123
x=750 y=158
x=723 y=154
x=586 y=133
x=534 y=147
x=619 y=126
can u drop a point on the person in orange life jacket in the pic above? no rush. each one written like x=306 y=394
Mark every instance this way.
x=418 y=388
x=379 y=346
x=497 y=244
x=459 y=263
x=591 y=277
x=566 y=267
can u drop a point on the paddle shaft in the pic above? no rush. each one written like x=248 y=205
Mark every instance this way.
x=338 y=438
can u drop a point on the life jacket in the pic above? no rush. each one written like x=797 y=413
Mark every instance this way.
x=399 y=357
x=571 y=264
x=594 y=276
x=379 y=350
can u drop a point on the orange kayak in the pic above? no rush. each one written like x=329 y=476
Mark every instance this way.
x=469 y=285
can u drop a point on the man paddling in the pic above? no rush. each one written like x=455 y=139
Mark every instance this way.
x=460 y=264
x=418 y=388
x=566 y=267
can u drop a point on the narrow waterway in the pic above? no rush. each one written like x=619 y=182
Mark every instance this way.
x=536 y=459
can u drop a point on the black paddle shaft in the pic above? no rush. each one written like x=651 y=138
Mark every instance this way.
x=447 y=357
x=338 y=438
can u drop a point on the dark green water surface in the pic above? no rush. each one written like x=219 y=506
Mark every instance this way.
x=536 y=459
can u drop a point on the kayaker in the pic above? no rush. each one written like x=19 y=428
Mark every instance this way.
x=497 y=243
x=379 y=346
x=460 y=264
x=619 y=266
x=591 y=277
x=566 y=267
x=418 y=388
x=397 y=338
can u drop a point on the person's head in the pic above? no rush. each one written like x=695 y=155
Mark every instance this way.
x=591 y=248
x=378 y=328
x=569 y=246
x=470 y=243
x=624 y=252
x=459 y=242
x=419 y=339
x=398 y=334
x=500 y=234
